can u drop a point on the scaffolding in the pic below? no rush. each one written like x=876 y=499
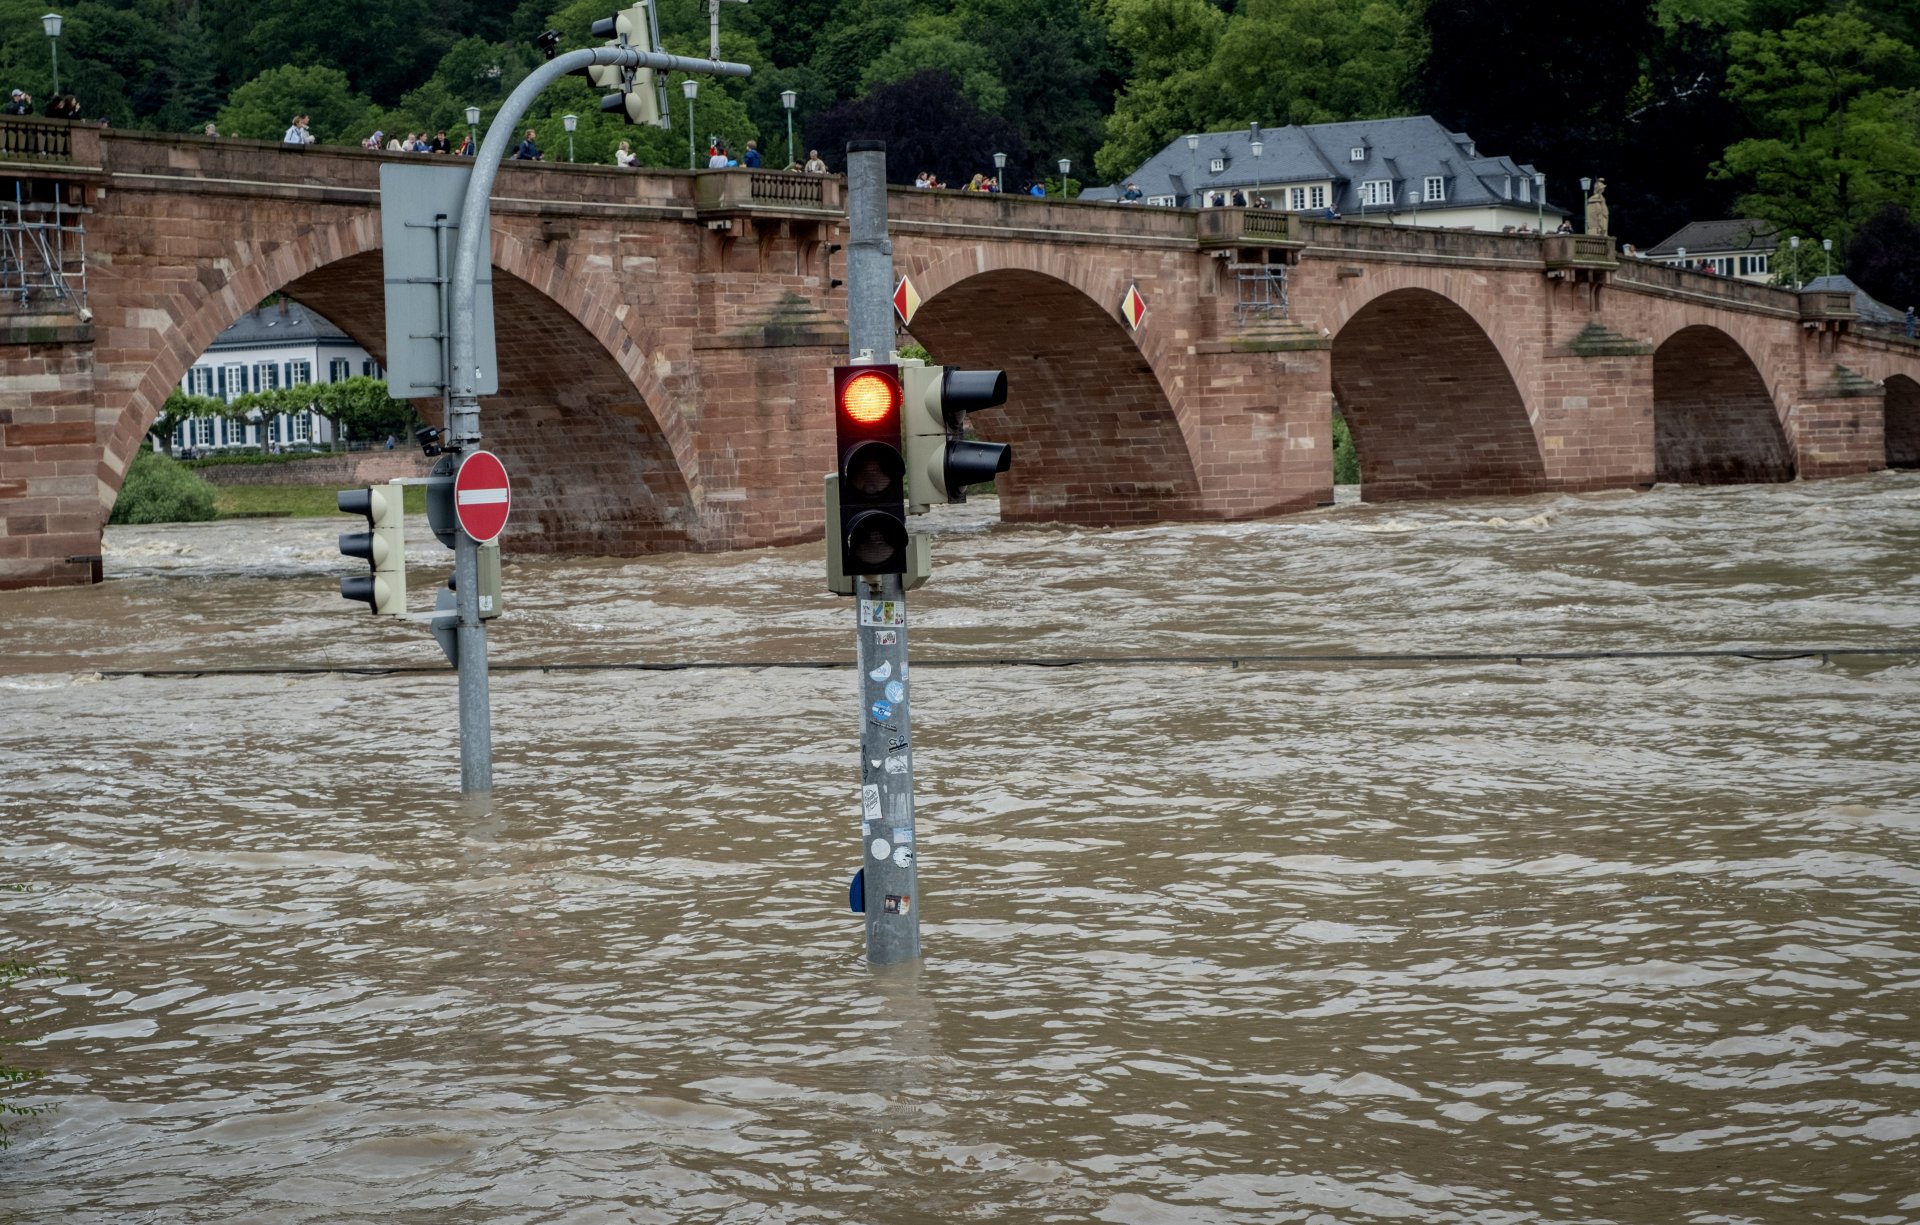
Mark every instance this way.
x=43 y=254
x=1262 y=290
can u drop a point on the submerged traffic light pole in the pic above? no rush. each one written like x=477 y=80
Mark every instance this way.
x=873 y=547
x=463 y=402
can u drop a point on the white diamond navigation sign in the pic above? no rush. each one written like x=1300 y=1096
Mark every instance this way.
x=906 y=300
x=1134 y=307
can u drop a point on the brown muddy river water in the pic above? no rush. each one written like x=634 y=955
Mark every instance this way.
x=1603 y=940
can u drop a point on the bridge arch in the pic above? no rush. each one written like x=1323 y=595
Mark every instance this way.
x=1098 y=436
x=1432 y=401
x=621 y=456
x=1715 y=420
x=1903 y=422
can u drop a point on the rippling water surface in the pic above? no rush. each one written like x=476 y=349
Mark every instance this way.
x=1582 y=941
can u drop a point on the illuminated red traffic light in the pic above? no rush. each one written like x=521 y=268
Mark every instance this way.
x=872 y=467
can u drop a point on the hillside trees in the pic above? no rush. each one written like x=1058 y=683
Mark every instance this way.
x=1838 y=123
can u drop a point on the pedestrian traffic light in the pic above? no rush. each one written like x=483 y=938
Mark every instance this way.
x=873 y=512
x=638 y=93
x=941 y=460
x=383 y=547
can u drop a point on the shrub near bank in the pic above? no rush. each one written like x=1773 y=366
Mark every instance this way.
x=158 y=490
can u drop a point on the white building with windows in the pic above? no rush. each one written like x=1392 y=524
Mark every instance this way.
x=1742 y=249
x=285 y=345
x=1409 y=171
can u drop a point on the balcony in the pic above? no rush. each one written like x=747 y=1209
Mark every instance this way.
x=1247 y=227
x=769 y=194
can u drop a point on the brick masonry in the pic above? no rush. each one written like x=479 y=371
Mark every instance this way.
x=664 y=355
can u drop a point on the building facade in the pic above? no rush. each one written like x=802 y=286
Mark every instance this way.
x=1408 y=171
x=1742 y=249
x=285 y=345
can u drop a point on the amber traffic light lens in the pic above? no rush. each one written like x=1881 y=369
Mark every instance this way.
x=869 y=398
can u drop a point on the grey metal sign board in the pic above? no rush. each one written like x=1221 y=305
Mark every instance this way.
x=419 y=216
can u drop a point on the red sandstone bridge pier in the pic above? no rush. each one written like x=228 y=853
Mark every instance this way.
x=665 y=341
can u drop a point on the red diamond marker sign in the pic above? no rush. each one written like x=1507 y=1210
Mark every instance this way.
x=480 y=498
x=906 y=300
x=1134 y=307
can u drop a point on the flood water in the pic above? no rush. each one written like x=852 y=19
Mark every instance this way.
x=1599 y=940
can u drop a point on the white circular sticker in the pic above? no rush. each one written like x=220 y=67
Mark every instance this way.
x=880 y=848
x=902 y=856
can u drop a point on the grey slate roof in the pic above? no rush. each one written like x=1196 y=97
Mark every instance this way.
x=1868 y=308
x=1406 y=150
x=269 y=325
x=1718 y=238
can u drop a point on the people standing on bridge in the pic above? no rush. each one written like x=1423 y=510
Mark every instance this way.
x=210 y=130
x=1132 y=195
x=527 y=150
x=814 y=164
x=297 y=133
x=976 y=183
x=466 y=146
x=624 y=157
x=20 y=103
x=440 y=142
x=718 y=159
x=751 y=158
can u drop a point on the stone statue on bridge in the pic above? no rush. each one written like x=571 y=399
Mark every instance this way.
x=1597 y=208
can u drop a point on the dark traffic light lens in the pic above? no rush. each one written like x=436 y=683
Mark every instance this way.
x=877 y=543
x=874 y=471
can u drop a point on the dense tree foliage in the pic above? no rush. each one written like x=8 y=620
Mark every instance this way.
x=1801 y=112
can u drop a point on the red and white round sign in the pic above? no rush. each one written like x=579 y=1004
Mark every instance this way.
x=480 y=498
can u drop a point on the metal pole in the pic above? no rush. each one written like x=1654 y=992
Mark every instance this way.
x=54 y=43
x=690 y=161
x=789 y=136
x=463 y=402
x=886 y=755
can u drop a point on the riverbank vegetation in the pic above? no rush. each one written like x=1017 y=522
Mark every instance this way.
x=158 y=489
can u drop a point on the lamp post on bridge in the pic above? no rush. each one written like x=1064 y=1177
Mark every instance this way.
x=789 y=99
x=569 y=122
x=1193 y=150
x=690 y=89
x=51 y=23
x=473 y=129
x=999 y=171
x=1540 y=197
x=1066 y=167
x=1793 y=244
x=1826 y=248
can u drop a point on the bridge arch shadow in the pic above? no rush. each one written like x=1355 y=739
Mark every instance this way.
x=593 y=468
x=600 y=466
x=1714 y=421
x=1903 y=422
x=1096 y=439
x=1432 y=406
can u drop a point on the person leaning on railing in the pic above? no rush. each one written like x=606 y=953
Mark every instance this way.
x=20 y=103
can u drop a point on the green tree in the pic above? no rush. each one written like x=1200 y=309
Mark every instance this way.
x=158 y=490
x=263 y=107
x=191 y=96
x=177 y=409
x=1837 y=121
x=936 y=44
x=1167 y=45
x=1310 y=61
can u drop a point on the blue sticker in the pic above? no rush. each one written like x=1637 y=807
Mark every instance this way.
x=896 y=692
x=883 y=709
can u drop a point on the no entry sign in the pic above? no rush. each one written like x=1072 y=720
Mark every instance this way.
x=480 y=498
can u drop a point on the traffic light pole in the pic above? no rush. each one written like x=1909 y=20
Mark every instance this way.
x=463 y=403
x=889 y=865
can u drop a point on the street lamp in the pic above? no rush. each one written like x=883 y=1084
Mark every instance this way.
x=690 y=88
x=789 y=99
x=999 y=171
x=1826 y=245
x=569 y=122
x=1193 y=149
x=473 y=131
x=1540 y=194
x=1794 y=244
x=52 y=23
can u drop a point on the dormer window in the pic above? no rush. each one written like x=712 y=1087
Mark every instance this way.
x=1435 y=189
x=1217 y=165
x=1358 y=154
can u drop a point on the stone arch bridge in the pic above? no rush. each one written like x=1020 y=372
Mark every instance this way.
x=664 y=340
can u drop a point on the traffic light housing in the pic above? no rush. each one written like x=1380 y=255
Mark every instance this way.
x=941 y=461
x=637 y=92
x=872 y=534
x=383 y=546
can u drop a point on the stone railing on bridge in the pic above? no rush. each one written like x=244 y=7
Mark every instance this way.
x=1246 y=227
x=768 y=193
x=1827 y=306
x=57 y=145
x=1647 y=276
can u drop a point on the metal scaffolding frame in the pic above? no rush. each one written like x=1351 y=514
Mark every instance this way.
x=43 y=254
x=1262 y=289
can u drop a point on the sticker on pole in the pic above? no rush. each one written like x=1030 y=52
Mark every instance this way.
x=480 y=498
x=906 y=300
